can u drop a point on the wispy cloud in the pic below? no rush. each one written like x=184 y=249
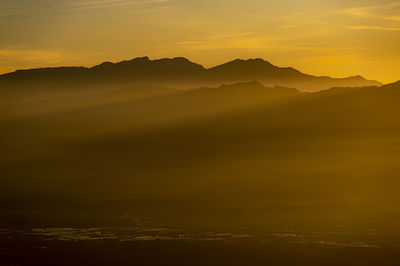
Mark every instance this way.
x=12 y=59
x=363 y=27
x=111 y=3
x=15 y=8
x=291 y=16
x=252 y=41
x=245 y=40
x=383 y=12
x=376 y=28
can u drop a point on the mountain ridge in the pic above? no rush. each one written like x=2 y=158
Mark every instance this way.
x=179 y=72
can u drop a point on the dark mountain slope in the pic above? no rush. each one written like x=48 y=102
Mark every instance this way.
x=136 y=107
x=175 y=72
x=312 y=156
x=267 y=73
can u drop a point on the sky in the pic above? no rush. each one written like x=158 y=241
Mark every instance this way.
x=322 y=37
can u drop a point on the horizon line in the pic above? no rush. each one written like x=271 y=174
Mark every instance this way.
x=192 y=61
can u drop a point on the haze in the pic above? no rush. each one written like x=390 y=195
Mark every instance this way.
x=337 y=38
x=171 y=132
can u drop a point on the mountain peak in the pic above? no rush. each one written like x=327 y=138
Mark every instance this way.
x=258 y=61
x=177 y=60
x=140 y=59
x=250 y=84
x=140 y=64
x=143 y=59
x=357 y=77
x=180 y=58
x=132 y=61
x=180 y=71
x=240 y=66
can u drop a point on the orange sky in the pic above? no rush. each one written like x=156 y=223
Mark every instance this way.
x=337 y=38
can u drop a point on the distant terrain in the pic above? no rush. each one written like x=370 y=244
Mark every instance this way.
x=176 y=72
x=264 y=149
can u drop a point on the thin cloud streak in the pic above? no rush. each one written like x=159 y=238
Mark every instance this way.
x=8 y=9
x=376 y=12
x=248 y=40
x=378 y=28
x=112 y=4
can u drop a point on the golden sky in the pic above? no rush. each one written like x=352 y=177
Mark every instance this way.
x=322 y=37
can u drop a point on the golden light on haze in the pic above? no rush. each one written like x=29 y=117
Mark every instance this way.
x=336 y=38
x=156 y=162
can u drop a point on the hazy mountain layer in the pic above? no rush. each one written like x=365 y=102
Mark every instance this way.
x=176 y=72
x=241 y=154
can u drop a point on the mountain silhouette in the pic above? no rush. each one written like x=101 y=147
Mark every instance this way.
x=176 y=72
x=169 y=102
x=394 y=85
x=223 y=148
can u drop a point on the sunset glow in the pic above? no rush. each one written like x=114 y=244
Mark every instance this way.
x=333 y=37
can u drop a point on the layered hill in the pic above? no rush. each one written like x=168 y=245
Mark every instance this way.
x=175 y=72
x=244 y=151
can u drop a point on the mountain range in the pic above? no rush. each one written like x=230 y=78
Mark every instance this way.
x=249 y=148
x=176 y=72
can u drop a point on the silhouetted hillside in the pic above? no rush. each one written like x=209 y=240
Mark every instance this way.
x=175 y=72
x=167 y=101
x=395 y=85
x=252 y=153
